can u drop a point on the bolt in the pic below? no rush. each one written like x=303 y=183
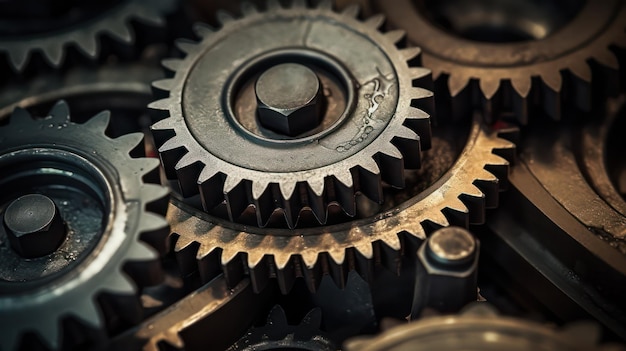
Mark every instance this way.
x=289 y=99
x=446 y=271
x=33 y=226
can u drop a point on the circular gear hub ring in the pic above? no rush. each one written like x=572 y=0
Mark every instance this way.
x=381 y=136
x=564 y=61
x=132 y=227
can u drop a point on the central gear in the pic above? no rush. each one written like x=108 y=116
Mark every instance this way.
x=114 y=224
x=374 y=118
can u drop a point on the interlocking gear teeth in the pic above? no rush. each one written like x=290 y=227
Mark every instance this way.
x=573 y=66
x=459 y=197
x=115 y=23
x=107 y=272
x=199 y=170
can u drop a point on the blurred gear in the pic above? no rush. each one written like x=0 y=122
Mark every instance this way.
x=108 y=215
x=480 y=327
x=460 y=197
x=277 y=334
x=331 y=123
x=25 y=32
x=509 y=55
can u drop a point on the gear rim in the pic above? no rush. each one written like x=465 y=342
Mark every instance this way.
x=522 y=79
x=137 y=201
x=199 y=171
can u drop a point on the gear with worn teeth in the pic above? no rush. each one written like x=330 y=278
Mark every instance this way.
x=277 y=334
x=116 y=22
x=460 y=197
x=568 y=65
x=122 y=257
x=209 y=146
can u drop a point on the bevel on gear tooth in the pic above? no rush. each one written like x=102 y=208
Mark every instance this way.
x=172 y=65
x=100 y=121
x=59 y=112
x=375 y=22
x=395 y=36
x=522 y=85
x=203 y=30
x=186 y=46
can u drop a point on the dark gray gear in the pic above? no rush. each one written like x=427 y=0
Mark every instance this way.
x=511 y=56
x=277 y=334
x=114 y=220
x=375 y=123
x=84 y=31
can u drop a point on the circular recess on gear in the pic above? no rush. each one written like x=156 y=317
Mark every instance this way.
x=332 y=106
x=76 y=188
x=505 y=21
x=370 y=124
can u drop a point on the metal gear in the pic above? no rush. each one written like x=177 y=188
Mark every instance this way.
x=373 y=127
x=208 y=245
x=109 y=249
x=480 y=327
x=277 y=334
x=115 y=20
x=561 y=59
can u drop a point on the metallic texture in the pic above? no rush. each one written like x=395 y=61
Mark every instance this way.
x=33 y=226
x=117 y=22
x=207 y=148
x=460 y=196
x=447 y=271
x=559 y=67
x=480 y=327
x=124 y=256
x=277 y=334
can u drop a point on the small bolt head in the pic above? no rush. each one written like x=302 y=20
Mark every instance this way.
x=289 y=99
x=451 y=246
x=33 y=226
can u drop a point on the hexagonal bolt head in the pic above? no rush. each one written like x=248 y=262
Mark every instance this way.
x=289 y=98
x=33 y=226
x=447 y=271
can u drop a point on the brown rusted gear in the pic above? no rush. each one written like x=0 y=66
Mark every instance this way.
x=571 y=66
x=208 y=244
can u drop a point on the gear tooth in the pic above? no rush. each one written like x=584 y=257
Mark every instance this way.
x=582 y=70
x=122 y=33
x=229 y=254
x=151 y=222
x=419 y=72
x=140 y=251
x=317 y=186
x=309 y=258
x=273 y=5
x=375 y=22
x=345 y=177
x=224 y=17
x=172 y=65
x=231 y=182
x=522 y=85
x=439 y=218
x=393 y=242
x=489 y=87
x=409 y=54
x=367 y=250
x=54 y=55
x=352 y=11
x=370 y=165
x=164 y=124
x=277 y=318
x=419 y=121
x=129 y=141
x=153 y=192
x=163 y=84
x=171 y=144
x=395 y=35
x=248 y=8
x=553 y=80
x=152 y=17
x=203 y=30
x=287 y=189
x=60 y=111
x=254 y=258
x=183 y=242
x=99 y=122
x=258 y=188
x=187 y=160
x=163 y=104
x=607 y=58
x=457 y=205
x=50 y=335
x=281 y=261
x=473 y=191
x=236 y=197
x=457 y=83
x=19 y=58
x=313 y=319
x=338 y=256
x=298 y=4
x=88 y=45
x=185 y=45
x=326 y=5
x=87 y=311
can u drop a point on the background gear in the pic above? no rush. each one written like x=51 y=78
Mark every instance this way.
x=573 y=54
x=215 y=148
x=118 y=259
x=81 y=27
